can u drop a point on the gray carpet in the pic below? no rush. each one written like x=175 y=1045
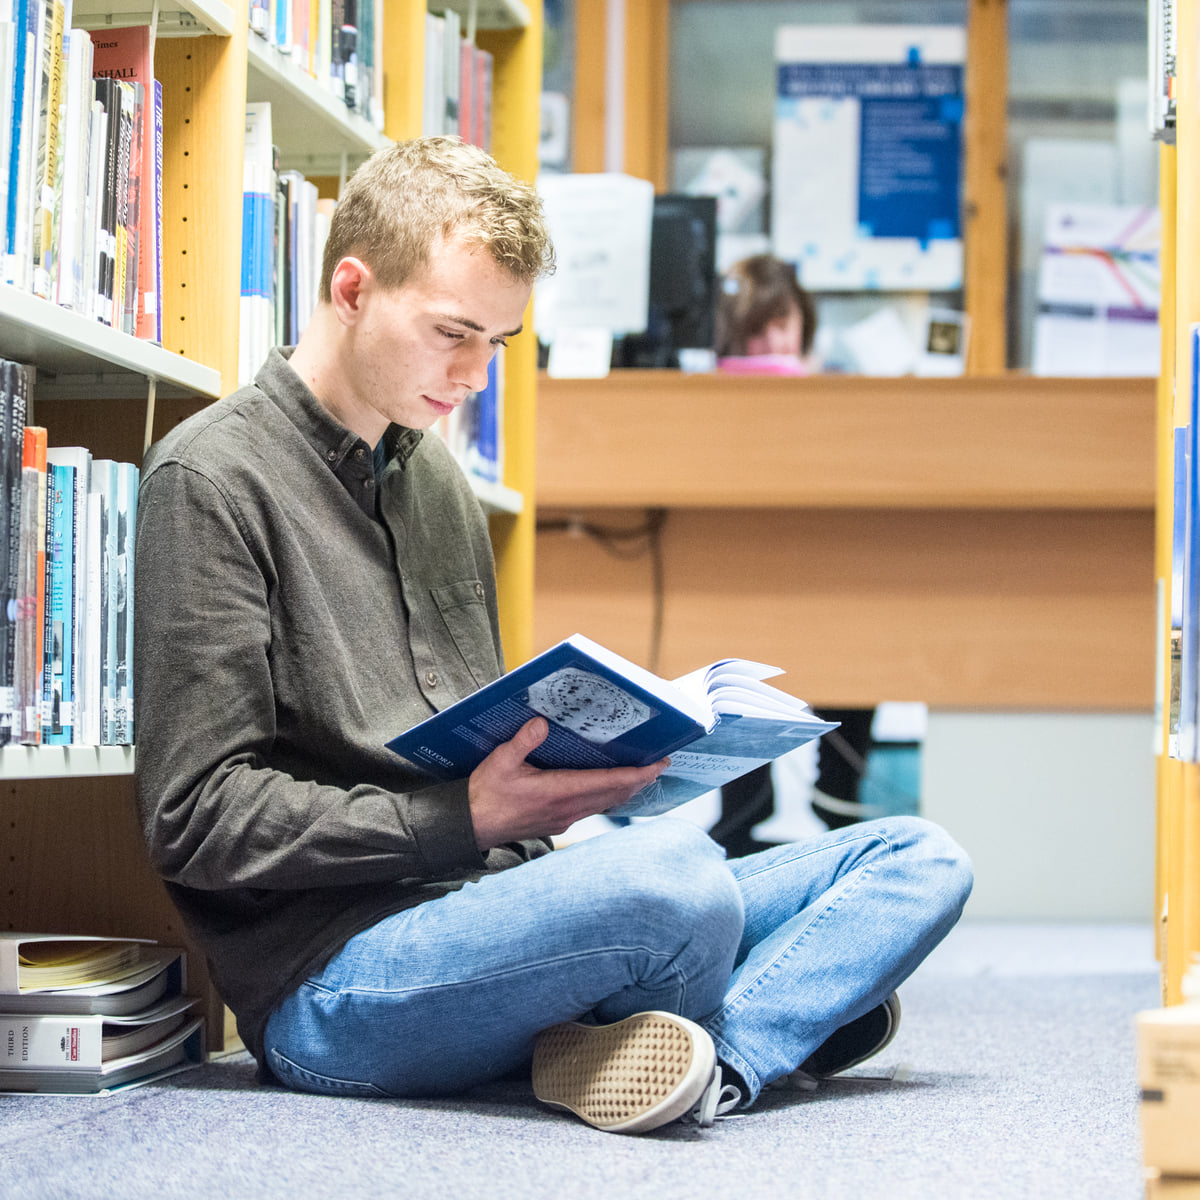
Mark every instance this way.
x=1012 y=1076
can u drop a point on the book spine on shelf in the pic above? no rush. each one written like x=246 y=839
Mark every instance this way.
x=17 y=396
x=157 y=223
x=127 y=488
x=46 y=160
x=60 y=605
x=27 y=721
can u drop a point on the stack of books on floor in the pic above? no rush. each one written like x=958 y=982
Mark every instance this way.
x=89 y=1015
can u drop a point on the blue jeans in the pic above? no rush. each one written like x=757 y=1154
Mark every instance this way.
x=770 y=953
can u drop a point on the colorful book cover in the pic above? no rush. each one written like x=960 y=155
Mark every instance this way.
x=59 y=627
x=127 y=489
x=605 y=711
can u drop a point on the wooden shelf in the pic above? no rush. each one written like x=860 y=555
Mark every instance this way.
x=62 y=762
x=312 y=127
x=64 y=343
x=176 y=18
x=488 y=14
x=659 y=438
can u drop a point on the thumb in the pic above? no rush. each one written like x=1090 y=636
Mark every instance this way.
x=531 y=735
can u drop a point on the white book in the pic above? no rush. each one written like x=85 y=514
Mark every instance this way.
x=256 y=307
x=76 y=147
x=84 y=1042
x=8 y=33
x=176 y=1052
x=88 y=717
x=92 y=233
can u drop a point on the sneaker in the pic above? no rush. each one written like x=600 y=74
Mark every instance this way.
x=632 y=1076
x=856 y=1042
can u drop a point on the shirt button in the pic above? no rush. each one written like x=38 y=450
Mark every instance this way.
x=479 y=590
x=331 y=455
x=431 y=679
x=359 y=452
x=368 y=483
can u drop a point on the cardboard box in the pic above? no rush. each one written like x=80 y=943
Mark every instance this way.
x=1171 y=1187
x=1168 y=1053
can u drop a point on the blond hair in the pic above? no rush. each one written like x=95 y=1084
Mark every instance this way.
x=409 y=196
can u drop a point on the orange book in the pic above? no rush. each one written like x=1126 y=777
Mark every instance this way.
x=31 y=595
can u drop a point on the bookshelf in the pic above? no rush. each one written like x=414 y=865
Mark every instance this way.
x=69 y=833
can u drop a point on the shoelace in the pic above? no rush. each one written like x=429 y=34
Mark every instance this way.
x=716 y=1101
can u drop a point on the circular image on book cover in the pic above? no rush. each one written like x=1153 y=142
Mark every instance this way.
x=587 y=704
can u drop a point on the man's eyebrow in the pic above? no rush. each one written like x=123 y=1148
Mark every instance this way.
x=474 y=325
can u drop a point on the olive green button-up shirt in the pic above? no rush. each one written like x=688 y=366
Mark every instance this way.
x=288 y=622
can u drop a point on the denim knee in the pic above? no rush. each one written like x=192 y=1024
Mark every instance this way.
x=945 y=864
x=668 y=874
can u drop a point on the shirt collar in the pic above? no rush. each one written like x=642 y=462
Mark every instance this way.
x=329 y=438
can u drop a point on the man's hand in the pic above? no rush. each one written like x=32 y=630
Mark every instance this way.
x=511 y=800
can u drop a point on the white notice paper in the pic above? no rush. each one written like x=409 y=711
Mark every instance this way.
x=600 y=225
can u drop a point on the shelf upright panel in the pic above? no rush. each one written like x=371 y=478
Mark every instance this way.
x=204 y=114
x=517 y=82
x=403 y=68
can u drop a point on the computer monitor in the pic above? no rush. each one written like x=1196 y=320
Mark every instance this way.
x=683 y=278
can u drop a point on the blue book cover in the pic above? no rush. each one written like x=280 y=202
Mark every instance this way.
x=24 y=21
x=104 y=482
x=58 y=648
x=605 y=711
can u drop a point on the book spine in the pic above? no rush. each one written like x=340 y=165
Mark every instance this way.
x=14 y=437
x=127 y=488
x=121 y=318
x=57 y=688
x=93 y=244
x=36 y=1042
x=109 y=96
x=109 y=600
x=89 y=696
x=156 y=291
x=27 y=725
x=46 y=163
x=16 y=249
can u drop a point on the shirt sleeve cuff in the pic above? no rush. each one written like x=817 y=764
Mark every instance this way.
x=440 y=817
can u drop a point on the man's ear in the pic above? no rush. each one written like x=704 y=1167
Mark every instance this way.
x=348 y=286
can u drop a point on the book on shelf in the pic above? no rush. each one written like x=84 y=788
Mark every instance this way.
x=68 y=272
x=127 y=54
x=18 y=226
x=59 y=624
x=78 y=461
x=49 y=89
x=603 y=710
x=256 y=305
x=31 y=589
x=119 y=720
x=12 y=439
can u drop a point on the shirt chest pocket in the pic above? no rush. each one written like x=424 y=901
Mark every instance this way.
x=466 y=635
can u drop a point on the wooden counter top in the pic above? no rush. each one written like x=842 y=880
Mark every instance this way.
x=641 y=438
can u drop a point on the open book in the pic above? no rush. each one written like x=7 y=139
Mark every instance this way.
x=716 y=723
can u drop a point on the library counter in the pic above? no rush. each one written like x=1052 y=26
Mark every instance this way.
x=973 y=543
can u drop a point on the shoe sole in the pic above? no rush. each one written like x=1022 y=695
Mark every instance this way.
x=628 y=1077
